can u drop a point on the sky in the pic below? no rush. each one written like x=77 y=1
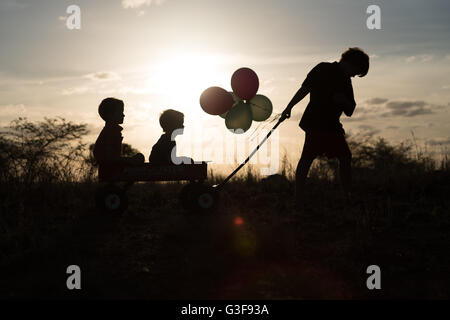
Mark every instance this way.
x=162 y=54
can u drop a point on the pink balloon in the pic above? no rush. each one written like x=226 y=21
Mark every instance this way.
x=216 y=100
x=245 y=83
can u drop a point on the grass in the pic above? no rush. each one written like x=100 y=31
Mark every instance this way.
x=256 y=246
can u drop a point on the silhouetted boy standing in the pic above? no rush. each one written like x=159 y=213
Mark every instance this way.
x=331 y=93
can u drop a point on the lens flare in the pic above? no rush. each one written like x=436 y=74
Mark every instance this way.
x=238 y=221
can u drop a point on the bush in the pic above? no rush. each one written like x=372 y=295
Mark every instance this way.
x=381 y=167
x=48 y=151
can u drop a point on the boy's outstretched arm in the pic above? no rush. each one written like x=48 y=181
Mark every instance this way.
x=301 y=93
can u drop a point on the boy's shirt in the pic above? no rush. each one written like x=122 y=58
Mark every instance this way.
x=322 y=113
x=162 y=150
x=110 y=137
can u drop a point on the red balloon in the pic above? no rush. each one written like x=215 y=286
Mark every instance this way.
x=245 y=83
x=216 y=100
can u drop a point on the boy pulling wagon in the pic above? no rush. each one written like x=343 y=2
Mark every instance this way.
x=331 y=93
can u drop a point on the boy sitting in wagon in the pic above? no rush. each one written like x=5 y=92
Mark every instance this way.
x=108 y=147
x=164 y=152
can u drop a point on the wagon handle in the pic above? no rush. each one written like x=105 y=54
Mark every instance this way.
x=220 y=185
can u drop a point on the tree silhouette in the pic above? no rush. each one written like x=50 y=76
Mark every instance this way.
x=44 y=151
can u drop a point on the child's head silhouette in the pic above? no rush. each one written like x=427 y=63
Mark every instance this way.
x=111 y=110
x=171 y=120
x=355 y=62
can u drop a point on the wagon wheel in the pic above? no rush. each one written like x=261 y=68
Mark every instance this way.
x=186 y=198
x=198 y=197
x=111 y=199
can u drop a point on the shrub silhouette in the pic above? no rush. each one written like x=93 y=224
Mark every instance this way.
x=46 y=151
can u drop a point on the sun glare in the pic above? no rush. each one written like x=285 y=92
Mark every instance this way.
x=183 y=77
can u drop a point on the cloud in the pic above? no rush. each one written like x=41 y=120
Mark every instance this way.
x=74 y=90
x=369 y=108
x=365 y=127
x=407 y=108
x=417 y=112
x=9 y=112
x=13 y=110
x=134 y=90
x=376 y=101
x=103 y=75
x=420 y=58
x=13 y=4
x=403 y=105
x=354 y=118
x=133 y=4
x=368 y=129
x=382 y=107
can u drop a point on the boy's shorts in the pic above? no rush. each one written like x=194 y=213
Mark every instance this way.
x=322 y=143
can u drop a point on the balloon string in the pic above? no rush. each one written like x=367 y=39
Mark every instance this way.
x=251 y=138
x=265 y=124
x=257 y=105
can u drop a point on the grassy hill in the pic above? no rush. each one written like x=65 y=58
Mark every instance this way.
x=256 y=246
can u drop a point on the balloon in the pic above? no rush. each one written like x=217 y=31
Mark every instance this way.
x=245 y=83
x=261 y=107
x=224 y=115
x=216 y=100
x=240 y=117
x=236 y=101
x=235 y=97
